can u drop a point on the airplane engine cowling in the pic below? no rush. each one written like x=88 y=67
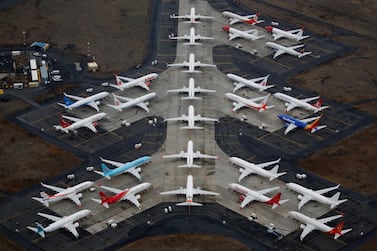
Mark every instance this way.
x=299 y=197
x=287 y=104
x=241 y=170
x=137 y=196
x=234 y=103
x=79 y=195
x=76 y=224
x=302 y=226
x=97 y=102
x=182 y=152
x=138 y=169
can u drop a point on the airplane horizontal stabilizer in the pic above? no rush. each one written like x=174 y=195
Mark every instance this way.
x=193 y=127
x=191 y=98
x=39 y=229
x=41 y=200
x=189 y=204
x=100 y=202
x=190 y=166
x=317 y=128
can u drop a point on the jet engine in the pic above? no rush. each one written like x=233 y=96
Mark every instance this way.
x=76 y=224
x=241 y=170
x=137 y=196
x=138 y=169
x=299 y=197
x=302 y=226
x=97 y=102
x=79 y=195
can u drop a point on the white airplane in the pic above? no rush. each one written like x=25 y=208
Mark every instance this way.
x=190 y=155
x=240 y=102
x=311 y=224
x=191 y=118
x=67 y=222
x=72 y=193
x=91 y=101
x=235 y=18
x=191 y=64
x=292 y=34
x=191 y=90
x=306 y=195
x=281 y=49
x=129 y=102
x=292 y=102
x=191 y=37
x=123 y=83
x=252 y=195
x=192 y=17
x=250 y=168
x=249 y=34
x=190 y=191
x=130 y=194
x=257 y=83
x=88 y=122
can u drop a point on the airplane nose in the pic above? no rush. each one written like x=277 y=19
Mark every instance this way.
x=226 y=28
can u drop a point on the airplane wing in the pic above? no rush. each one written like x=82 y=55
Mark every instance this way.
x=304 y=199
x=143 y=105
x=246 y=172
x=202 y=64
x=132 y=198
x=50 y=217
x=75 y=199
x=111 y=162
x=185 y=64
x=90 y=126
x=184 y=118
x=54 y=188
x=247 y=200
x=252 y=31
x=325 y=190
x=265 y=164
x=197 y=89
x=174 y=16
x=180 y=37
x=72 y=96
x=125 y=78
x=264 y=191
x=203 y=192
x=278 y=53
x=307 y=229
x=290 y=128
x=111 y=189
x=331 y=218
x=134 y=172
x=198 y=37
x=200 y=118
x=291 y=106
x=309 y=99
x=310 y=119
x=93 y=105
x=178 y=155
x=71 y=228
x=178 y=191
x=296 y=46
x=71 y=118
x=238 y=105
x=233 y=35
x=201 y=155
x=123 y=98
x=184 y=89
x=276 y=36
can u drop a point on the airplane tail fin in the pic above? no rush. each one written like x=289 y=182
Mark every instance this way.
x=67 y=101
x=103 y=200
x=335 y=200
x=275 y=172
x=264 y=105
x=189 y=203
x=39 y=229
x=319 y=106
x=338 y=230
x=264 y=82
x=275 y=201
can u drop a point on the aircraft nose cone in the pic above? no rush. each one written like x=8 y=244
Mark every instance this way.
x=226 y=28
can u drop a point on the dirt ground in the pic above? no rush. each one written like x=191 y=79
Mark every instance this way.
x=122 y=26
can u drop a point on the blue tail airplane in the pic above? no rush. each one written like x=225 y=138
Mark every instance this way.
x=292 y=123
x=129 y=167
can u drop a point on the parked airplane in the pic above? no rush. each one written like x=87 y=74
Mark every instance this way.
x=129 y=102
x=250 y=168
x=191 y=64
x=249 y=195
x=72 y=193
x=190 y=191
x=306 y=195
x=192 y=17
x=191 y=118
x=235 y=18
x=281 y=49
x=240 y=102
x=91 y=101
x=88 y=122
x=292 y=123
x=123 y=83
x=235 y=33
x=190 y=155
x=130 y=194
x=131 y=167
x=191 y=37
x=191 y=90
x=311 y=224
x=257 y=83
x=292 y=102
x=291 y=34
x=67 y=222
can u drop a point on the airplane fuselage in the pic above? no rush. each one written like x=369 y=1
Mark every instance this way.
x=290 y=120
x=132 y=164
x=67 y=219
x=299 y=103
x=309 y=192
x=83 y=122
x=248 y=192
x=87 y=100
x=251 y=166
x=71 y=190
x=189 y=189
x=311 y=221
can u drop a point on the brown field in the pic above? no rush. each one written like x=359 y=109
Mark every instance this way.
x=345 y=80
